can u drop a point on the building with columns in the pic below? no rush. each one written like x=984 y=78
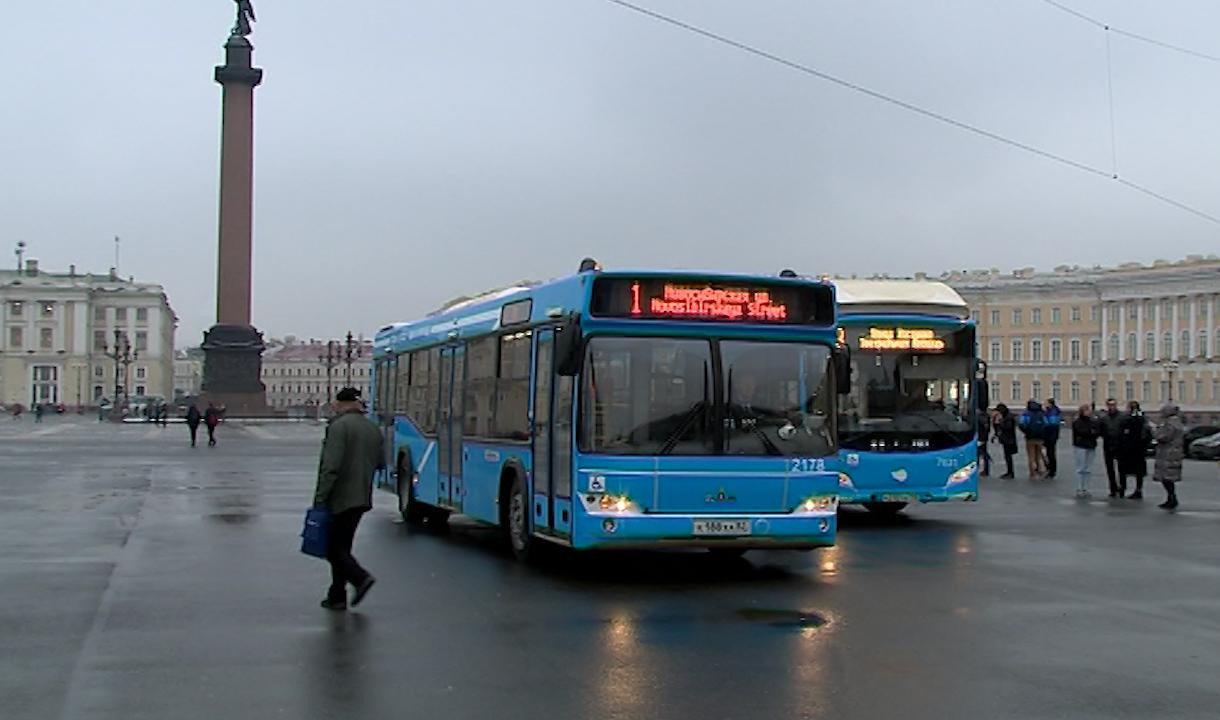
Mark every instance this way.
x=1149 y=333
x=296 y=376
x=57 y=329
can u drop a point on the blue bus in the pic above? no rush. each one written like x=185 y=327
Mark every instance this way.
x=908 y=425
x=620 y=409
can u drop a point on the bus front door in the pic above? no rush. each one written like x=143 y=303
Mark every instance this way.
x=449 y=427
x=543 y=511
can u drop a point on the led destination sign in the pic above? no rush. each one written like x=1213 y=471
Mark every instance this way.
x=903 y=339
x=691 y=299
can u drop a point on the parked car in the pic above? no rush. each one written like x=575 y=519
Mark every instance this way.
x=1198 y=432
x=1206 y=448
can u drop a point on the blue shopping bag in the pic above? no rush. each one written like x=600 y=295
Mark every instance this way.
x=315 y=537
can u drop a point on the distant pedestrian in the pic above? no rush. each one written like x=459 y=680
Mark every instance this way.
x=984 y=436
x=211 y=418
x=1054 y=419
x=1006 y=435
x=39 y=410
x=192 y=422
x=1033 y=425
x=163 y=414
x=1169 y=452
x=1085 y=431
x=1112 y=437
x=351 y=454
x=1133 y=451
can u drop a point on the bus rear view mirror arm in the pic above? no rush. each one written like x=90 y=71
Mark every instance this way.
x=569 y=347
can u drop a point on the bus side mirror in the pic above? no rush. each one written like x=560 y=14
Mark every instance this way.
x=842 y=360
x=569 y=348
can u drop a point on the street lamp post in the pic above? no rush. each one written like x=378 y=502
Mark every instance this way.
x=123 y=357
x=330 y=359
x=1170 y=366
x=351 y=350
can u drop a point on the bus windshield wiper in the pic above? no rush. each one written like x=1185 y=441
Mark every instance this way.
x=772 y=449
x=685 y=425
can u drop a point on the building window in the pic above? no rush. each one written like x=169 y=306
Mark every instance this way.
x=1112 y=389
x=120 y=315
x=16 y=308
x=1095 y=350
x=1129 y=387
x=1113 y=347
x=1215 y=389
x=1016 y=391
x=1075 y=314
x=1164 y=390
x=1074 y=390
x=995 y=317
x=1185 y=349
x=1198 y=391
x=1016 y=317
x=1035 y=389
x=46 y=310
x=1035 y=351
x=1056 y=390
x=46 y=384
x=97 y=393
x=974 y=317
x=995 y=390
x=46 y=338
x=1093 y=391
x=99 y=340
x=99 y=371
x=99 y=314
x=1150 y=346
x=1132 y=346
x=141 y=315
x=1074 y=351
x=1114 y=312
x=141 y=341
x=1094 y=313
x=1167 y=345
x=140 y=373
x=1035 y=316
x=1146 y=391
x=141 y=390
x=1055 y=316
x=1133 y=311
x=1181 y=389
x=1203 y=346
x=1056 y=351
x=1017 y=351
x=995 y=351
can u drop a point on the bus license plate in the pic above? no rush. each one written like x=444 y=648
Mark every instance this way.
x=900 y=497
x=722 y=527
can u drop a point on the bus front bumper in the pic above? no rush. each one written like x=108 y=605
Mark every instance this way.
x=797 y=531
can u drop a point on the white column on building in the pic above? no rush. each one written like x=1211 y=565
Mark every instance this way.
x=1160 y=312
x=1139 y=330
x=1177 y=340
x=1105 y=332
x=155 y=349
x=1192 y=349
x=1122 y=331
x=81 y=342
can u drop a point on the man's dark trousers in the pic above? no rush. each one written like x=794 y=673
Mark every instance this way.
x=1110 y=457
x=343 y=567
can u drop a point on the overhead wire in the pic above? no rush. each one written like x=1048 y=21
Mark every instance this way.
x=1133 y=35
x=905 y=105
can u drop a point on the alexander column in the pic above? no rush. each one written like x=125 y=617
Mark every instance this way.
x=232 y=347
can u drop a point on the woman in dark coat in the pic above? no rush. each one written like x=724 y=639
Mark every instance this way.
x=1133 y=450
x=1006 y=435
x=1169 y=452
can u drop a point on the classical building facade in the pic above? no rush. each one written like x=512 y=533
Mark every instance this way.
x=188 y=373
x=296 y=376
x=1149 y=333
x=58 y=336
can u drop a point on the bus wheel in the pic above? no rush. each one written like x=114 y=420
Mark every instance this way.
x=517 y=517
x=408 y=507
x=885 y=509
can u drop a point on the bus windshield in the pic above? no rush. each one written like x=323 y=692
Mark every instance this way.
x=905 y=399
x=669 y=396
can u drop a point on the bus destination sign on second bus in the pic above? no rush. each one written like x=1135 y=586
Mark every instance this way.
x=902 y=339
x=681 y=299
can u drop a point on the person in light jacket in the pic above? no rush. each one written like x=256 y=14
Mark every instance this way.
x=1086 y=429
x=1169 y=452
x=351 y=453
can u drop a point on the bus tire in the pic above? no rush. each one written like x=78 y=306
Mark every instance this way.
x=516 y=519
x=885 y=509
x=410 y=509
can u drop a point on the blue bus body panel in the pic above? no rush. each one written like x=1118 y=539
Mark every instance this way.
x=909 y=477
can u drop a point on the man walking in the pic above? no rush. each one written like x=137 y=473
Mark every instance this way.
x=1033 y=424
x=351 y=453
x=211 y=418
x=1054 y=418
x=1111 y=441
x=192 y=422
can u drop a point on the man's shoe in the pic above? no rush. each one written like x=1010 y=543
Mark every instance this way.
x=338 y=605
x=1006 y=476
x=363 y=589
x=1137 y=495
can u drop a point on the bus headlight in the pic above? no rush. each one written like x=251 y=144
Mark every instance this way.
x=962 y=474
x=820 y=503
x=615 y=503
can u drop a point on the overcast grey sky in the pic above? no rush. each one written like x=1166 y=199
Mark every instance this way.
x=409 y=151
